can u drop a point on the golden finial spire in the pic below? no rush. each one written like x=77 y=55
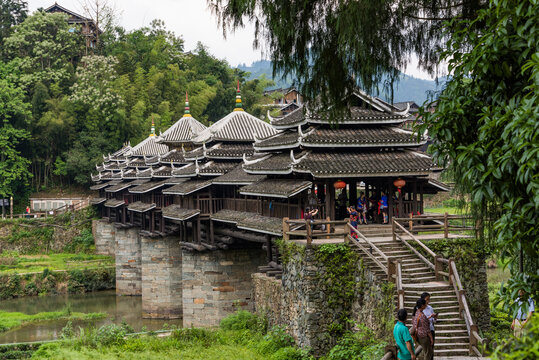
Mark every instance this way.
x=239 y=105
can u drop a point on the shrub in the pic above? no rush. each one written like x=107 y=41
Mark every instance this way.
x=244 y=320
x=274 y=340
x=525 y=347
x=352 y=345
x=291 y=353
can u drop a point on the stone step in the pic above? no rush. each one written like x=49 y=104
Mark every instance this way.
x=433 y=294
x=435 y=304
x=451 y=352
x=418 y=278
x=450 y=339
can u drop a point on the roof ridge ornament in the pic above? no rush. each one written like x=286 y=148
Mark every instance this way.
x=250 y=162
x=152 y=129
x=239 y=105
x=187 y=111
x=271 y=119
x=204 y=148
x=197 y=168
x=294 y=160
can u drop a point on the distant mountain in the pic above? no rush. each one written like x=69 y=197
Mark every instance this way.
x=408 y=88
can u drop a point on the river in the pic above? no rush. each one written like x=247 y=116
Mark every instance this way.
x=118 y=308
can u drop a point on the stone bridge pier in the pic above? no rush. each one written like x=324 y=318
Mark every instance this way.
x=217 y=283
x=201 y=287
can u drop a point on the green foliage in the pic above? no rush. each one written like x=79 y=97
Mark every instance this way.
x=525 y=347
x=276 y=338
x=486 y=124
x=359 y=345
x=291 y=353
x=340 y=264
x=244 y=320
x=9 y=320
x=12 y=12
x=43 y=48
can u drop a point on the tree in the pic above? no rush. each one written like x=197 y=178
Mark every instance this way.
x=486 y=127
x=94 y=91
x=44 y=49
x=12 y=12
x=13 y=111
x=334 y=46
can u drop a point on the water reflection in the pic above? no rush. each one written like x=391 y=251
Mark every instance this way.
x=119 y=308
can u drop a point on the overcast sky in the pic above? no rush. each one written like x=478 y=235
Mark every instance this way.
x=192 y=20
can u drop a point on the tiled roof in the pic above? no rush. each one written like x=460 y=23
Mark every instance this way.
x=148 y=147
x=236 y=126
x=175 y=156
x=187 y=187
x=152 y=160
x=174 y=181
x=279 y=163
x=278 y=188
x=130 y=174
x=139 y=206
x=104 y=185
x=196 y=154
x=229 y=151
x=230 y=216
x=162 y=172
x=136 y=162
x=359 y=115
x=183 y=130
x=292 y=119
x=124 y=185
x=360 y=137
x=285 y=140
x=113 y=203
x=216 y=168
x=237 y=176
x=365 y=164
x=188 y=170
x=176 y=212
x=262 y=224
x=147 y=187
x=95 y=201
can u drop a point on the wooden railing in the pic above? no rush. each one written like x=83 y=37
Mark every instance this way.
x=306 y=230
x=436 y=223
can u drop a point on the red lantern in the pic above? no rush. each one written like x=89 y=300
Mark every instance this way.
x=399 y=183
x=339 y=184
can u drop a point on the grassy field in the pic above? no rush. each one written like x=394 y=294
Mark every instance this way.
x=10 y=320
x=11 y=263
x=443 y=210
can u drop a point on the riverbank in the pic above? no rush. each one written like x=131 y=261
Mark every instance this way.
x=242 y=336
x=10 y=320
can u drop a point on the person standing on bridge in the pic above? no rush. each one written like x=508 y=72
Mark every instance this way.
x=421 y=329
x=431 y=315
x=405 y=343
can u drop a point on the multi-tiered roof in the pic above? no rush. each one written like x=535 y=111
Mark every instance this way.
x=366 y=143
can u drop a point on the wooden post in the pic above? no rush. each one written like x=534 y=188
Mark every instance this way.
x=331 y=189
x=308 y=232
x=286 y=229
x=328 y=227
x=212 y=237
x=390 y=200
x=198 y=237
x=268 y=249
x=421 y=198
x=446 y=225
x=394 y=229
x=152 y=219
x=352 y=193
x=162 y=224
x=414 y=198
x=450 y=271
x=473 y=339
x=411 y=222
x=437 y=268
x=391 y=270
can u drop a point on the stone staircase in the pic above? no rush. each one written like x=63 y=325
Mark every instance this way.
x=451 y=334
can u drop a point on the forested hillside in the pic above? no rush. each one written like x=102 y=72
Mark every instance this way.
x=63 y=104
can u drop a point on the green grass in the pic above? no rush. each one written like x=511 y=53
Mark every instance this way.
x=11 y=263
x=10 y=320
x=443 y=210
